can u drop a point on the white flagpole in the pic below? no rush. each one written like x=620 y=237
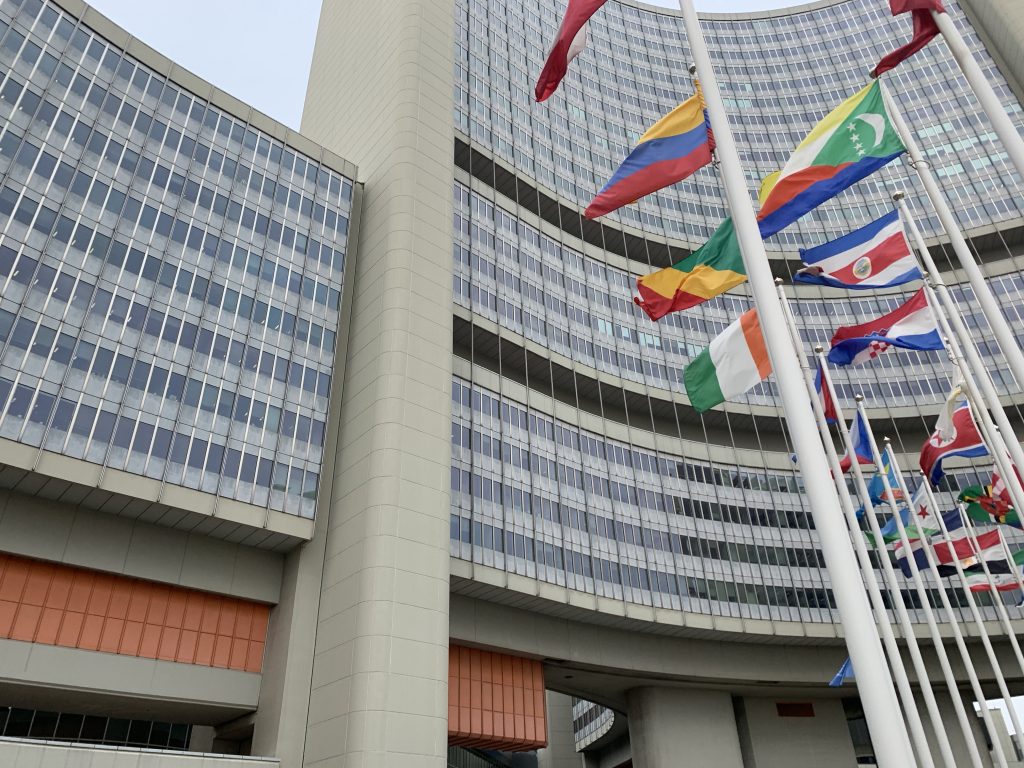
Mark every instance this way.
x=919 y=586
x=974 y=367
x=997 y=600
x=899 y=670
x=922 y=592
x=881 y=707
x=987 y=301
x=1006 y=552
x=972 y=604
x=896 y=596
x=993 y=108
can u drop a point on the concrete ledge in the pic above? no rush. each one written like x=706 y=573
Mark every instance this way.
x=71 y=680
x=37 y=472
x=42 y=529
x=19 y=753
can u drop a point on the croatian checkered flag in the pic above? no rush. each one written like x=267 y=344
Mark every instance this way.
x=910 y=326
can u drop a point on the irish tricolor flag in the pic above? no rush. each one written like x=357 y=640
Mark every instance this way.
x=736 y=360
x=853 y=141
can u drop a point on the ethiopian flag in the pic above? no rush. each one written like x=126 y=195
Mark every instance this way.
x=712 y=269
x=736 y=361
x=853 y=141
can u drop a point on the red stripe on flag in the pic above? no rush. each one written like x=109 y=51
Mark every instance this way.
x=882 y=256
x=576 y=15
x=925 y=29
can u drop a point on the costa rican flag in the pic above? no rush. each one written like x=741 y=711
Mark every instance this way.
x=875 y=256
x=910 y=326
x=955 y=434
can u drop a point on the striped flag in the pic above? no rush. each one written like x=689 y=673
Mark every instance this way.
x=861 y=445
x=874 y=256
x=962 y=549
x=910 y=326
x=925 y=29
x=570 y=42
x=853 y=141
x=672 y=149
x=955 y=434
x=735 y=361
x=712 y=269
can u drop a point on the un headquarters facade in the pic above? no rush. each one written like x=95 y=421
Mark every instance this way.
x=347 y=447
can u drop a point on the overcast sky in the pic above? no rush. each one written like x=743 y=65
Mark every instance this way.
x=260 y=50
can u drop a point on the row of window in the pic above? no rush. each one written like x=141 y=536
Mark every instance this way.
x=170 y=273
x=93 y=433
x=164 y=384
x=127 y=210
x=120 y=312
x=57 y=30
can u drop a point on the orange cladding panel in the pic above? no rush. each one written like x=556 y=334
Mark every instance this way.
x=74 y=607
x=495 y=701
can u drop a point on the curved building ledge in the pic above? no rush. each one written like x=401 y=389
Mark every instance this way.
x=510 y=590
x=638 y=251
x=647 y=407
x=50 y=475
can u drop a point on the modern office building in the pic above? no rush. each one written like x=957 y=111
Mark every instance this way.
x=347 y=447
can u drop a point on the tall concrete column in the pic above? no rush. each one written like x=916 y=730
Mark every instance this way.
x=380 y=90
x=682 y=728
x=561 y=749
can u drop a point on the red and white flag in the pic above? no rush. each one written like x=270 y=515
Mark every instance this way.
x=570 y=42
x=925 y=29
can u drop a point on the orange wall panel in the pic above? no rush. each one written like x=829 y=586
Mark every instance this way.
x=495 y=701
x=74 y=607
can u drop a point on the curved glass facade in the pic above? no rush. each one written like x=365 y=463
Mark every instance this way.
x=170 y=276
x=575 y=494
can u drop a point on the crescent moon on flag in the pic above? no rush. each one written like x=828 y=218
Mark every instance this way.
x=877 y=122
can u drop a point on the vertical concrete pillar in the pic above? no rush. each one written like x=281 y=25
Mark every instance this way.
x=380 y=94
x=791 y=733
x=561 y=749
x=682 y=728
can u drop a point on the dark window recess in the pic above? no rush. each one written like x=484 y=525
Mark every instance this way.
x=794 y=708
x=92 y=729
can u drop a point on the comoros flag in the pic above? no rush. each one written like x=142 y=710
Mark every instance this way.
x=910 y=326
x=853 y=141
x=874 y=256
x=955 y=434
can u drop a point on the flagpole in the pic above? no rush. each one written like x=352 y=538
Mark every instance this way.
x=906 y=694
x=881 y=707
x=1006 y=550
x=972 y=604
x=896 y=596
x=922 y=592
x=966 y=350
x=993 y=108
x=997 y=599
x=989 y=305
x=919 y=586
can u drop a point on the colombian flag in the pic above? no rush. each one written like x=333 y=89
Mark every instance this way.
x=672 y=149
x=853 y=141
x=712 y=269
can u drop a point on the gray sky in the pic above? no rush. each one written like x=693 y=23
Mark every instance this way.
x=260 y=50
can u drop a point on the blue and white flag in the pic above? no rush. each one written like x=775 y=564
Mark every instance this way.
x=874 y=256
x=845 y=673
x=910 y=326
x=861 y=445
